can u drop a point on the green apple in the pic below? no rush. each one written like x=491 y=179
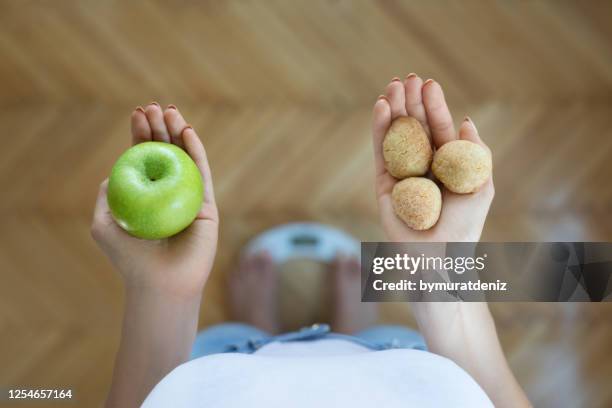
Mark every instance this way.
x=155 y=190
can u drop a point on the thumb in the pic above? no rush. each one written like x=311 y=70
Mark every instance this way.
x=103 y=226
x=468 y=132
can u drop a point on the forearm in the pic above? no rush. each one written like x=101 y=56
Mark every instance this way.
x=465 y=333
x=158 y=333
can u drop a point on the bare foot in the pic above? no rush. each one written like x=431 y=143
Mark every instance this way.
x=349 y=314
x=253 y=292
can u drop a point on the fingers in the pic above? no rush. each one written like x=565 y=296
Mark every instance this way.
x=170 y=126
x=438 y=116
x=195 y=149
x=413 y=85
x=468 y=131
x=397 y=98
x=152 y=124
x=175 y=124
x=141 y=131
x=381 y=120
x=155 y=117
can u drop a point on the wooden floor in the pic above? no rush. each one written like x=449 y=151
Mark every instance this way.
x=281 y=92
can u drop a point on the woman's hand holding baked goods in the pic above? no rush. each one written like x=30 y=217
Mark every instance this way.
x=463 y=167
x=413 y=208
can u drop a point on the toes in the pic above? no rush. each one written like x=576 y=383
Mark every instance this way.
x=336 y=265
x=352 y=267
x=141 y=131
x=345 y=269
x=175 y=123
x=245 y=265
x=263 y=262
x=438 y=116
x=342 y=263
x=156 y=121
x=397 y=98
x=255 y=268
x=381 y=120
x=413 y=85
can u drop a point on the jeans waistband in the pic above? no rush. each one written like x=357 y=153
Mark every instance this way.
x=310 y=333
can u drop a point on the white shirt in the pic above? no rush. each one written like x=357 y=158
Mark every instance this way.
x=321 y=373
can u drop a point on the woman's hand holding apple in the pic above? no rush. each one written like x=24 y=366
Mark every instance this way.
x=177 y=266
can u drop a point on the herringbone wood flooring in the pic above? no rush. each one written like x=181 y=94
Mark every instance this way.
x=280 y=92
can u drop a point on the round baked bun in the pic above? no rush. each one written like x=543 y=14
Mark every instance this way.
x=417 y=201
x=406 y=148
x=462 y=166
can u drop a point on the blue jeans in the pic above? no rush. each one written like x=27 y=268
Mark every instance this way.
x=242 y=338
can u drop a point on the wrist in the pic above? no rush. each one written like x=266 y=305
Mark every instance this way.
x=445 y=323
x=180 y=284
x=149 y=310
x=449 y=310
x=163 y=296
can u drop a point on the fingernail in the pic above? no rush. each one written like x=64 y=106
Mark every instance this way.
x=395 y=79
x=471 y=122
x=411 y=75
x=154 y=103
x=382 y=97
x=171 y=107
x=429 y=81
x=140 y=109
x=187 y=126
